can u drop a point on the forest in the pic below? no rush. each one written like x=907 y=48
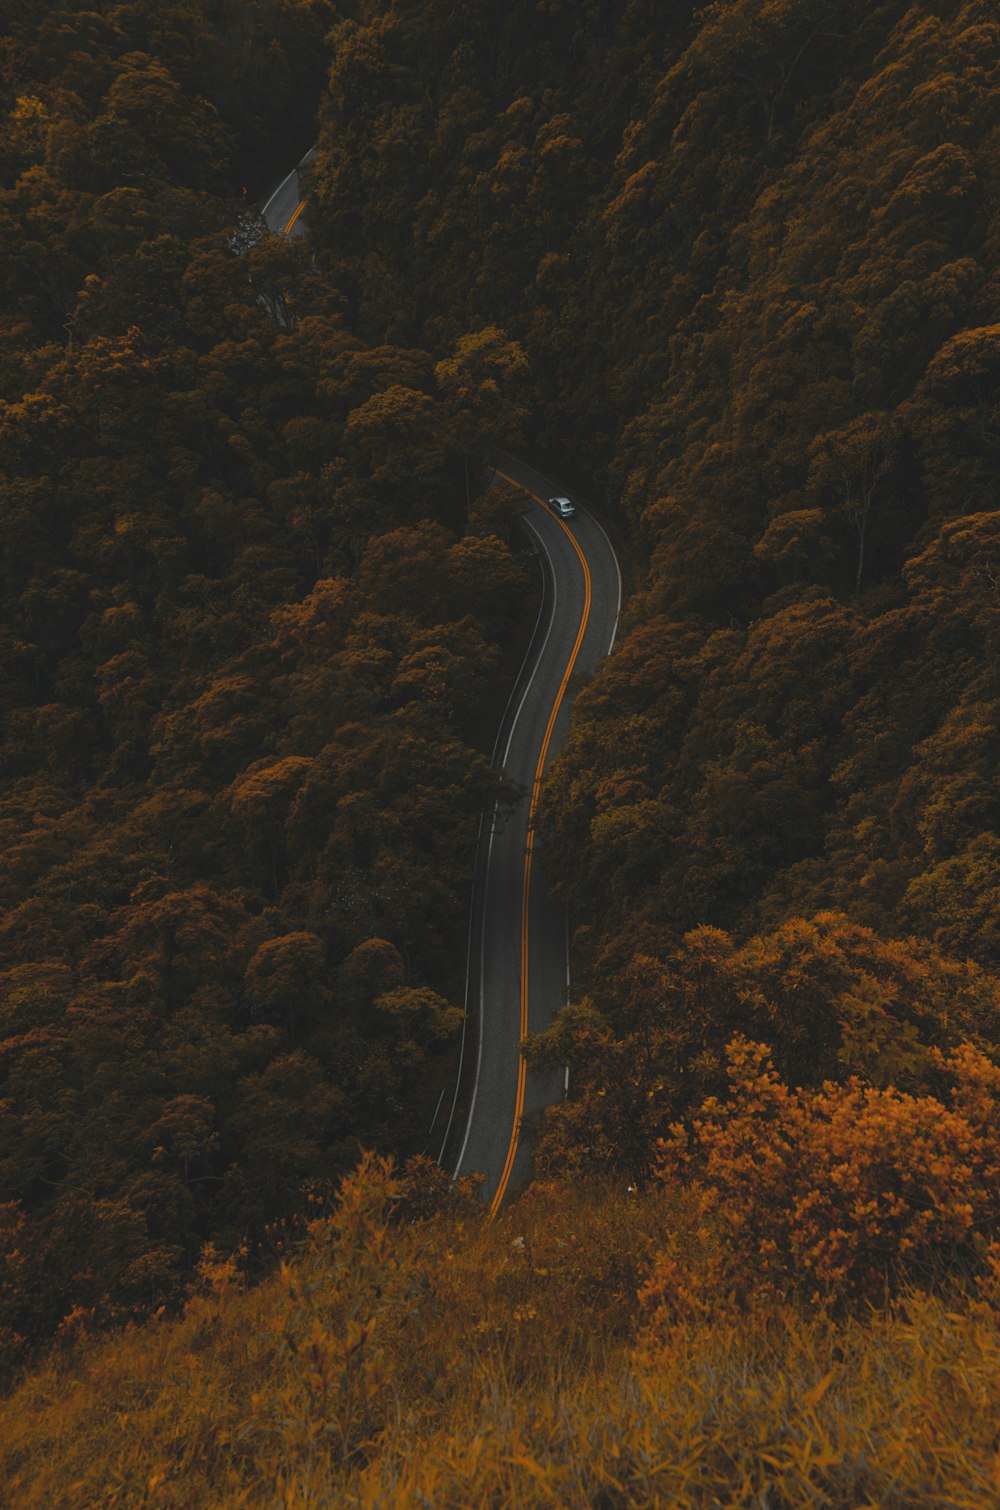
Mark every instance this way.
x=734 y=270
x=254 y=631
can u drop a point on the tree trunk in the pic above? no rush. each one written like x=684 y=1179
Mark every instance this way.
x=862 y=527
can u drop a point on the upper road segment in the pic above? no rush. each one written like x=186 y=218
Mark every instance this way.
x=283 y=211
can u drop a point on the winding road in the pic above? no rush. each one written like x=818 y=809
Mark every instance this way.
x=518 y=968
x=519 y=965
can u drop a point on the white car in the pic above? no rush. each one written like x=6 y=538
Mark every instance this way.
x=564 y=507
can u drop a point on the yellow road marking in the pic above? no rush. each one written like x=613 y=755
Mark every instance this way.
x=515 y=1134
x=298 y=211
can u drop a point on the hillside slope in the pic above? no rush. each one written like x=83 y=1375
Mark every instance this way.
x=434 y=1359
x=752 y=258
x=734 y=267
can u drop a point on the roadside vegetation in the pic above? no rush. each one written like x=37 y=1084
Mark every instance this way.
x=435 y=1358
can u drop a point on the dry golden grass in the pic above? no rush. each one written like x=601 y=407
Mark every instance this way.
x=452 y=1363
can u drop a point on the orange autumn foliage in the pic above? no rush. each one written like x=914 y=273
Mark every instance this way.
x=838 y=1193
x=408 y=1352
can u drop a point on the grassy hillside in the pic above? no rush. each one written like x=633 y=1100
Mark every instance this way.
x=443 y=1361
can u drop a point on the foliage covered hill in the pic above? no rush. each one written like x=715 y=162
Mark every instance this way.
x=752 y=254
x=739 y=262
x=254 y=632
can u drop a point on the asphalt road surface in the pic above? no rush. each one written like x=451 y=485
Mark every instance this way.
x=283 y=211
x=519 y=973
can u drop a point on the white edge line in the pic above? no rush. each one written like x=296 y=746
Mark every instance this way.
x=302 y=163
x=482 y=996
x=569 y=990
x=618 y=574
x=294 y=174
x=472 y=900
x=465 y=999
x=548 y=633
x=489 y=852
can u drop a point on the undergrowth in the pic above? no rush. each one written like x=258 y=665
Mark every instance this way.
x=412 y=1356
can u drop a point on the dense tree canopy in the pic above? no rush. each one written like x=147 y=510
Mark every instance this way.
x=750 y=256
x=249 y=642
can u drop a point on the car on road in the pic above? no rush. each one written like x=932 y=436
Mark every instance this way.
x=564 y=507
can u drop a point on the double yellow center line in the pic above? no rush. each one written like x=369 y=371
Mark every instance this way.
x=298 y=211
x=515 y=1134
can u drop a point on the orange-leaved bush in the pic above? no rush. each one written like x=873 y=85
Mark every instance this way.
x=839 y=1193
